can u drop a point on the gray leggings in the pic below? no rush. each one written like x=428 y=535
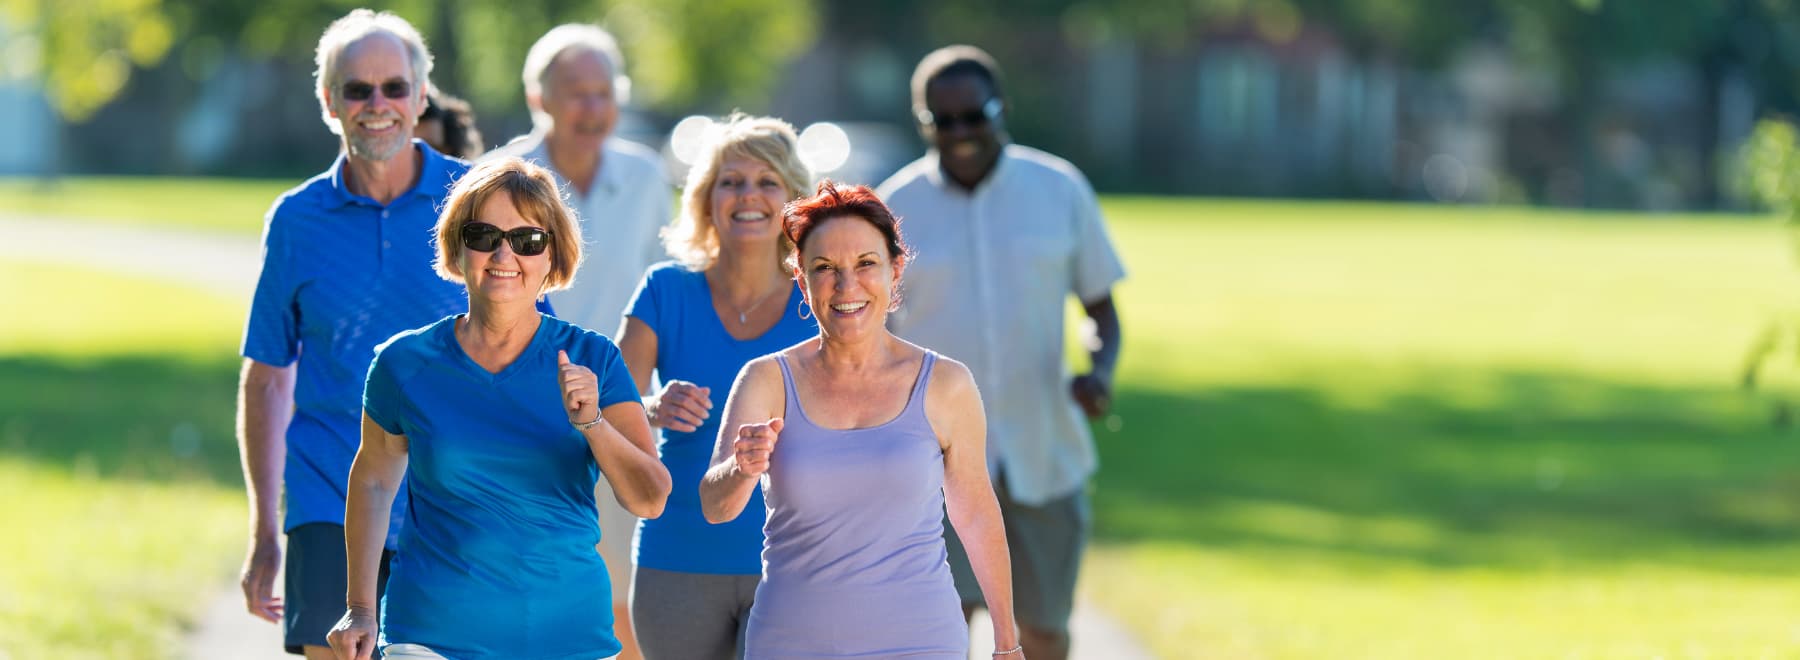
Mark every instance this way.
x=690 y=616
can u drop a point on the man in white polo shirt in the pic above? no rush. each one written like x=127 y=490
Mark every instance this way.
x=1004 y=235
x=574 y=84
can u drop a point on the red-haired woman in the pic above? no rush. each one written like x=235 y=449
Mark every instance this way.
x=860 y=441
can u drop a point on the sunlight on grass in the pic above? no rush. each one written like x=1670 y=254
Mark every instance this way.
x=221 y=205
x=117 y=463
x=100 y=568
x=1403 y=431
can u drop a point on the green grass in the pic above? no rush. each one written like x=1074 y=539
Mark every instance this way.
x=218 y=205
x=1343 y=431
x=1387 y=431
x=124 y=508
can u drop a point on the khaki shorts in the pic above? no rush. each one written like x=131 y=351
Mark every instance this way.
x=1046 y=543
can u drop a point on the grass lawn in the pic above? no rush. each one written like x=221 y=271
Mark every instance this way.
x=1343 y=431
x=220 y=205
x=117 y=464
x=1378 y=431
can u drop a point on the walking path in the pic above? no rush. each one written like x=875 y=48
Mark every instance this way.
x=228 y=264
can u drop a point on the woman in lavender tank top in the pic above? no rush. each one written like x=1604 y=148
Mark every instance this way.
x=860 y=442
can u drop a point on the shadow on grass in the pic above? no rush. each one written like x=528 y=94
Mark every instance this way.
x=1548 y=468
x=142 y=418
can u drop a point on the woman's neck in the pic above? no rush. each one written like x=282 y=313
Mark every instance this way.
x=498 y=328
x=744 y=280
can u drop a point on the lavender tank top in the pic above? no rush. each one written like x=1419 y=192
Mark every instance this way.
x=853 y=551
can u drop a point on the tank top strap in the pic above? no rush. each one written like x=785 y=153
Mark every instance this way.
x=917 y=401
x=792 y=409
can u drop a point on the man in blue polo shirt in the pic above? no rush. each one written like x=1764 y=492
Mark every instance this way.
x=346 y=265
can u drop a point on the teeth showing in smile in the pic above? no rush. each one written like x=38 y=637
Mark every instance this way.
x=848 y=308
x=503 y=273
x=381 y=125
x=749 y=216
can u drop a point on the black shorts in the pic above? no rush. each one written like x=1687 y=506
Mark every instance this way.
x=316 y=577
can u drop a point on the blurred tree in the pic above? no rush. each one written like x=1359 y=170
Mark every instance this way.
x=683 y=52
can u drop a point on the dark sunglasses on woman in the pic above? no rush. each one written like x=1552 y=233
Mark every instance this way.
x=525 y=241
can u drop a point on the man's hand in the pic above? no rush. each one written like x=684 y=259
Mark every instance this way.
x=1093 y=393
x=261 y=564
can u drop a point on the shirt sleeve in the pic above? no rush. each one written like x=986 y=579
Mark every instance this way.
x=644 y=304
x=272 y=333
x=1096 y=265
x=381 y=391
x=616 y=384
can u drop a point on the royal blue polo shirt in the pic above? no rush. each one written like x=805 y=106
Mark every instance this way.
x=342 y=273
x=692 y=345
x=496 y=559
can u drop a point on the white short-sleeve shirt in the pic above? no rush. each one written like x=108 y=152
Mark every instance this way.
x=992 y=271
x=620 y=218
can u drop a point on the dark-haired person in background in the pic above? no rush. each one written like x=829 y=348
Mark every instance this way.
x=448 y=125
x=1006 y=234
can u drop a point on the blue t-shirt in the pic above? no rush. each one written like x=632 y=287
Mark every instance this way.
x=497 y=555
x=340 y=274
x=692 y=345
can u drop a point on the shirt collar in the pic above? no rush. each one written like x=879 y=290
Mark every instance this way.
x=434 y=176
x=938 y=178
x=608 y=182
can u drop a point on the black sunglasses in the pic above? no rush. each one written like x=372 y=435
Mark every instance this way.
x=357 y=90
x=973 y=118
x=525 y=241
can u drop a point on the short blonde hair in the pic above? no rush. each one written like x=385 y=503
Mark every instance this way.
x=534 y=194
x=352 y=28
x=691 y=238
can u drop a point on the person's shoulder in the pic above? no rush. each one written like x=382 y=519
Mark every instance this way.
x=303 y=199
x=1042 y=162
x=913 y=174
x=670 y=272
x=639 y=153
x=410 y=348
x=522 y=146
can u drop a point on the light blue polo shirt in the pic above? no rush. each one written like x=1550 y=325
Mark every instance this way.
x=692 y=345
x=342 y=273
x=497 y=555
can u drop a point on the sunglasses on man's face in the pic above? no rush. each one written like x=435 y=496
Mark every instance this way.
x=972 y=118
x=357 y=90
x=525 y=241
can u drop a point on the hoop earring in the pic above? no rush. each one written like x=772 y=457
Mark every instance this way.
x=805 y=311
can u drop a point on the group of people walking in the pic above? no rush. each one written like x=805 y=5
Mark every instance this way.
x=773 y=456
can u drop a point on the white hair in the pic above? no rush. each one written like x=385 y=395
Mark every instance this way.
x=353 y=27
x=582 y=36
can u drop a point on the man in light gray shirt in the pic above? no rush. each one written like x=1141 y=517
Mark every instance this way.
x=575 y=84
x=1004 y=235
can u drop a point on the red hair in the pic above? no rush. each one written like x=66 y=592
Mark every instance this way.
x=832 y=200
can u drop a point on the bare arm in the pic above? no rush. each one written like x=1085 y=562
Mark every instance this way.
x=620 y=441
x=954 y=407
x=746 y=441
x=265 y=406
x=368 y=503
x=681 y=405
x=1093 y=390
x=627 y=456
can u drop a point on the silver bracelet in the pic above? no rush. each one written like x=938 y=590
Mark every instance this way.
x=1011 y=651
x=583 y=426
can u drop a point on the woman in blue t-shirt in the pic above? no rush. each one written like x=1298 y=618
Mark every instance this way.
x=694 y=322
x=501 y=421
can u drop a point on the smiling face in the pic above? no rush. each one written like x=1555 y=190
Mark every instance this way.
x=502 y=276
x=579 y=97
x=969 y=144
x=747 y=196
x=848 y=277
x=376 y=128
